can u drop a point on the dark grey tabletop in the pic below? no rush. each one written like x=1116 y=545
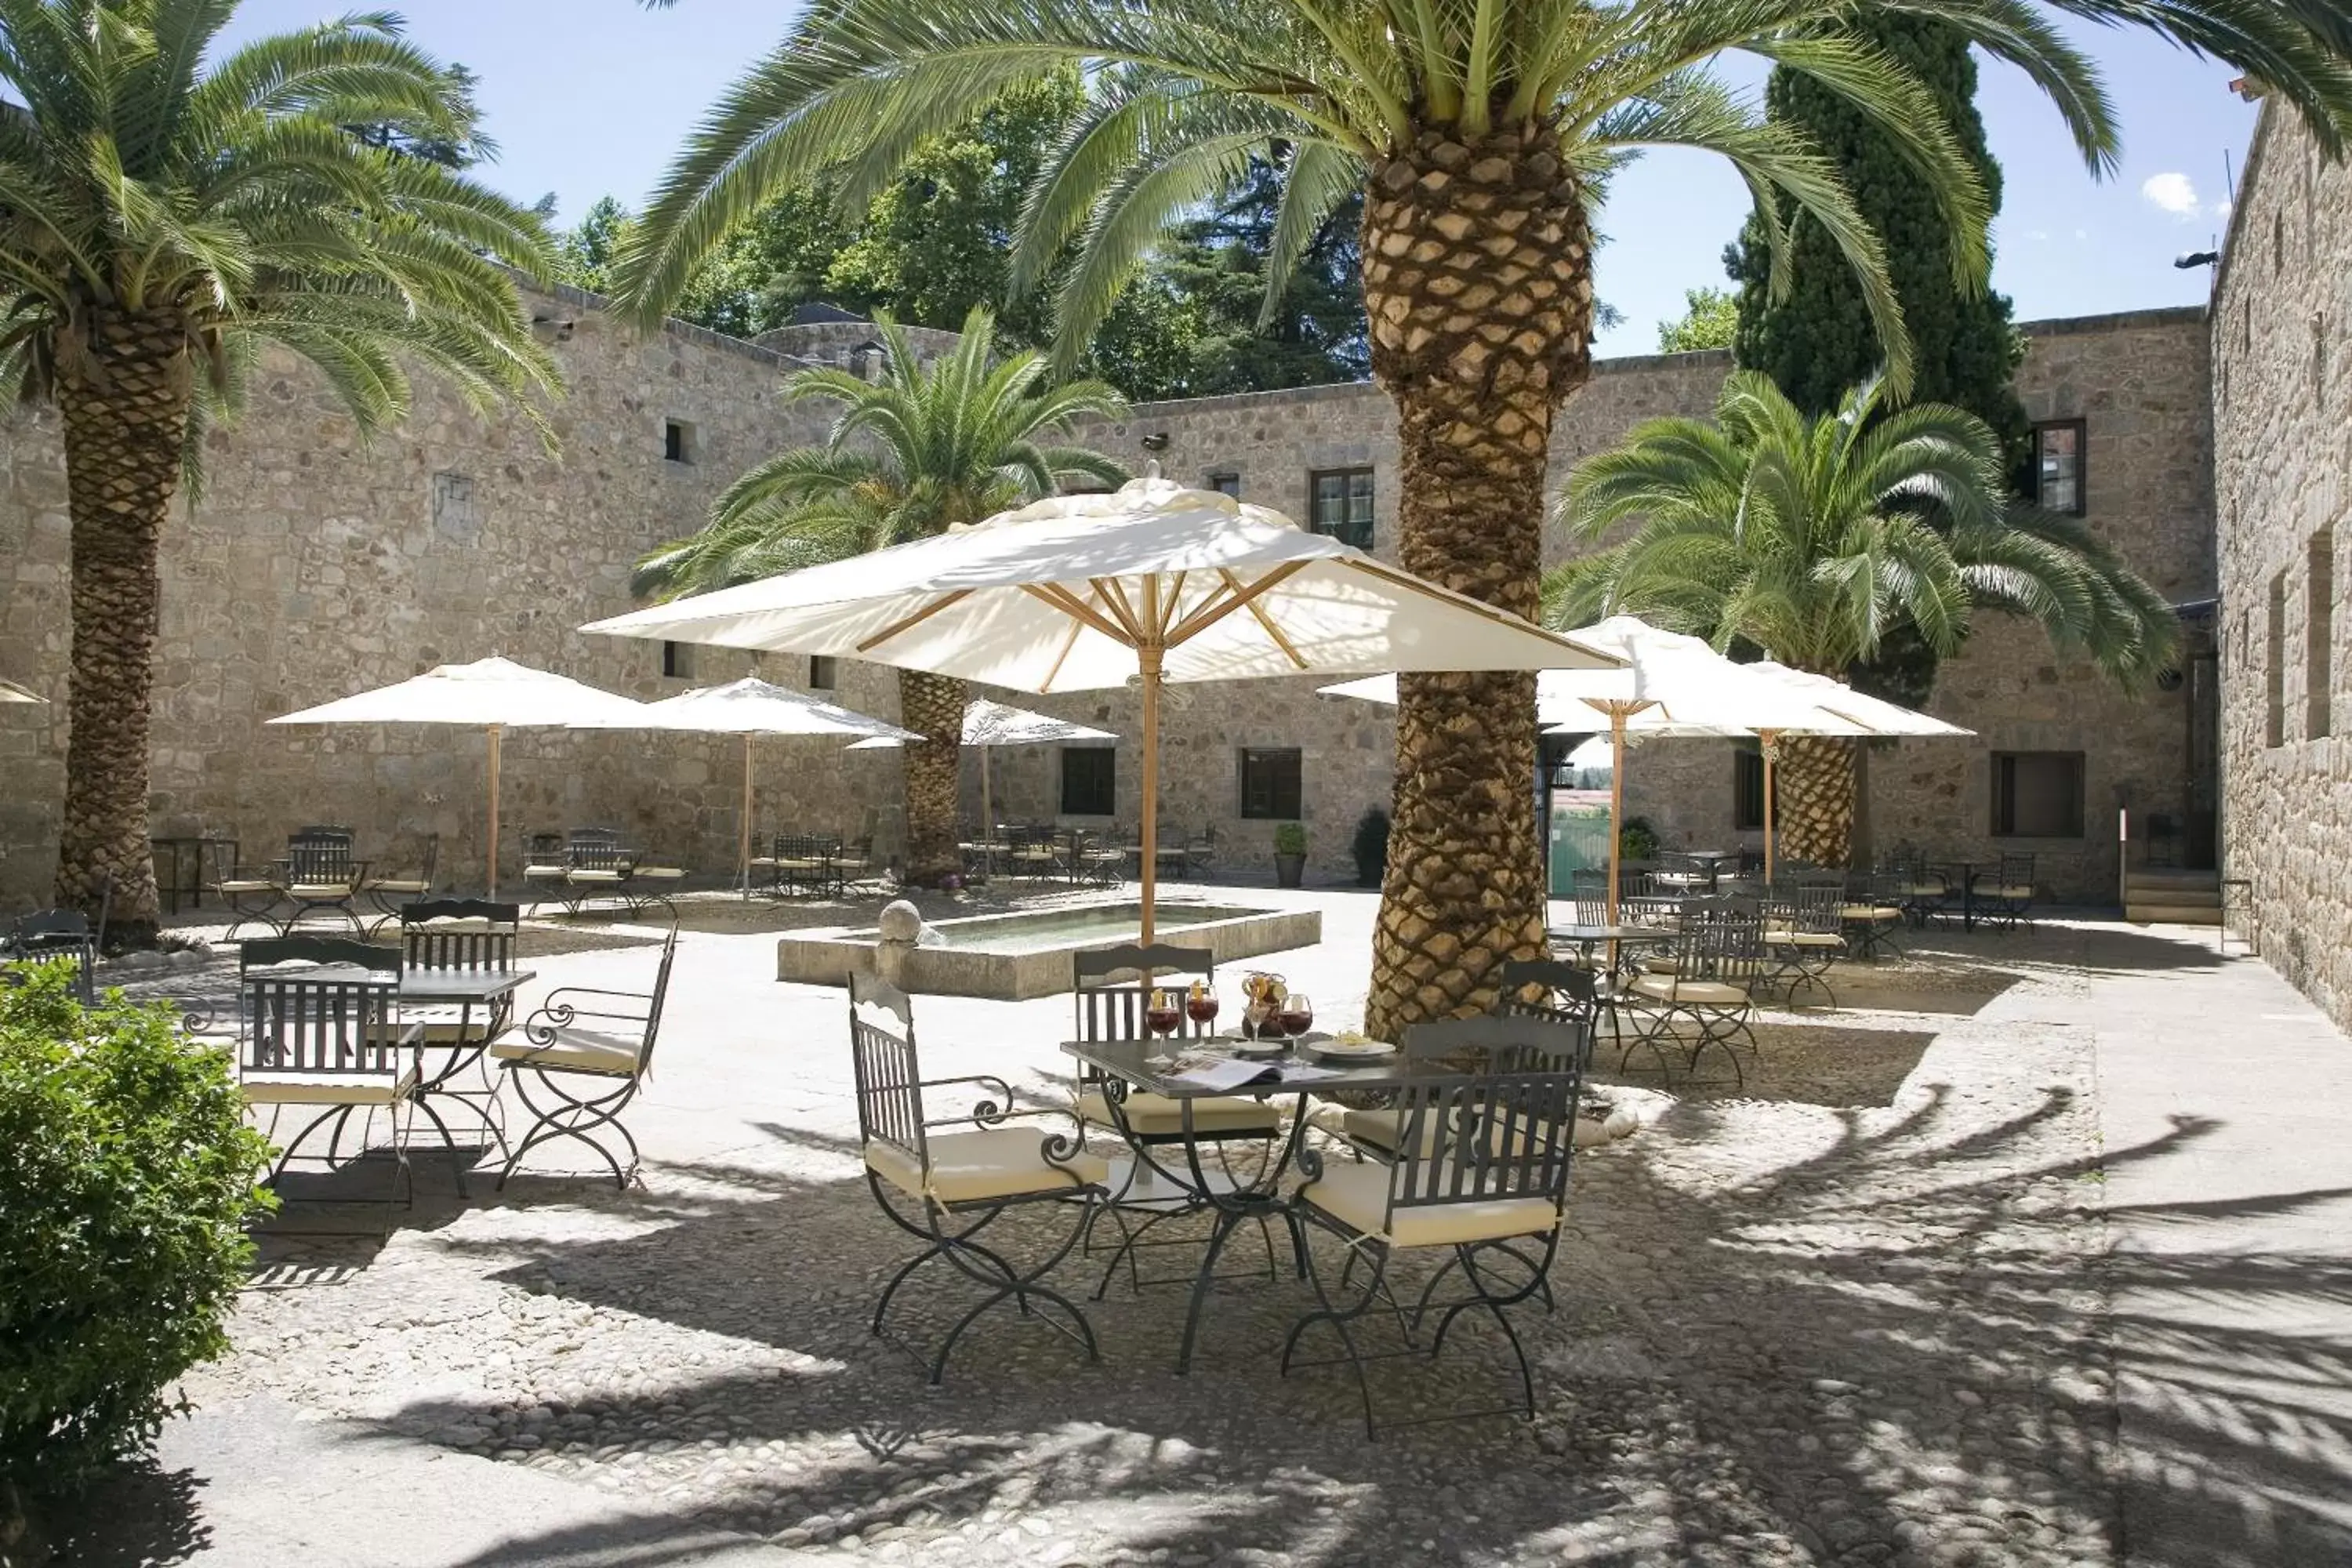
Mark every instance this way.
x=1131 y=1061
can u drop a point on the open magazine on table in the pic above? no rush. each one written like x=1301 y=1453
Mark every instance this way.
x=1221 y=1075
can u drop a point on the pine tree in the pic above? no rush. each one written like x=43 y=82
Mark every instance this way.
x=1817 y=345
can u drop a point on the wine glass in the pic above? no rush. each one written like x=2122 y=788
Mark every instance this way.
x=1160 y=1015
x=1201 y=1006
x=1295 y=1014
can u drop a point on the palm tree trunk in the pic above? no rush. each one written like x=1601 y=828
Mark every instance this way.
x=932 y=706
x=1478 y=290
x=126 y=417
x=1816 y=799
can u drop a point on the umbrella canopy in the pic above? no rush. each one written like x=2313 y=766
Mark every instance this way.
x=12 y=692
x=1151 y=583
x=491 y=694
x=750 y=707
x=987 y=724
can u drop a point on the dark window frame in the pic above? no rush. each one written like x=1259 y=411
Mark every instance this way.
x=678 y=661
x=1226 y=482
x=2081 y=429
x=1091 y=787
x=1263 y=790
x=824 y=673
x=1746 y=789
x=1351 y=530
x=2004 y=794
x=677 y=441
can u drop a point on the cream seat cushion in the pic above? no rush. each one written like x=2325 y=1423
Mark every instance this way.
x=987 y=1163
x=572 y=1051
x=397 y=884
x=545 y=870
x=1869 y=912
x=2019 y=891
x=1804 y=938
x=321 y=889
x=594 y=875
x=1157 y=1115
x=1705 y=993
x=660 y=873
x=244 y=885
x=1357 y=1196
x=263 y=1086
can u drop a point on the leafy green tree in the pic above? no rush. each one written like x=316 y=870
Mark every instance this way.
x=1475 y=133
x=584 y=253
x=1709 y=317
x=172 y=210
x=1811 y=537
x=927 y=447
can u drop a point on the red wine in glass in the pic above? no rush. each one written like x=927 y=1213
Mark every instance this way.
x=1201 y=1009
x=1296 y=1015
x=1161 y=1016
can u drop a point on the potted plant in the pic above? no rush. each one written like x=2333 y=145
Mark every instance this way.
x=1370 y=847
x=1289 y=854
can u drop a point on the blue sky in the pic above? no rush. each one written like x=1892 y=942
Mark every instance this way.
x=591 y=97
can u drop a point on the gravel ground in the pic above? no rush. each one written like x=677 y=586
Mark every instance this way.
x=1840 y=1316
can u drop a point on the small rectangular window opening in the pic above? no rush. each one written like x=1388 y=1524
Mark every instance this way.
x=678 y=661
x=822 y=673
x=677 y=441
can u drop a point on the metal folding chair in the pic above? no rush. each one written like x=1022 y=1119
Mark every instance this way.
x=577 y=1063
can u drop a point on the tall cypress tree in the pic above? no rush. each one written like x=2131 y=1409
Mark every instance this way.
x=1817 y=342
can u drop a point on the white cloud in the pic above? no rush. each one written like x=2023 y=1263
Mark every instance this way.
x=2171 y=192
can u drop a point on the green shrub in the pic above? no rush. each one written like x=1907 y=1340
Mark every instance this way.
x=1290 y=839
x=1637 y=840
x=1370 y=846
x=126 y=1181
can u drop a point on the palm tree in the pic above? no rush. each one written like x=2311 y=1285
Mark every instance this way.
x=927 y=449
x=1478 y=133
x=164 y=215
x=1811 y=538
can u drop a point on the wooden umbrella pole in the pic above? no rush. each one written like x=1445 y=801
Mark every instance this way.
x=1616 y=800
x=1771 y=741
x=493 y=878
x=987 y=805
x=1149 y=817
x=743 y=855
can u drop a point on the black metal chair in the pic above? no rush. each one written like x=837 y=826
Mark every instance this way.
x=388 y=893
x=464 y=935
x=1494 y=1042
x=1925 y=892
x=322 y=873
x=544 y=868
x=1872 y=911
x=1569 y=994
x=585 y=1073
x=944 y=1188
x=1482 y=1171
x=1718 y=961
x=1804 y=934
x=2005 y=894
x=806 y=863
x=47 y=935
x=320 y=1029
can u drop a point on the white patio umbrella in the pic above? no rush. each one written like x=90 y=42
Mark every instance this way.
x=1151 y=583
x=751 y=708
x=988 y=724
x=1678 y=685
x=12 y=692
x=491 y=694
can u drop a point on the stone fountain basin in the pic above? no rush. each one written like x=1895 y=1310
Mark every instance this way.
x=1013 y=957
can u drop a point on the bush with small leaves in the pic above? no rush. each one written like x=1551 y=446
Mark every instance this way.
x=126 y=1184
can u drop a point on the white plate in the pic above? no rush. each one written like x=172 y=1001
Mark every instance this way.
x=1247 y=1047
x=1360 y=1051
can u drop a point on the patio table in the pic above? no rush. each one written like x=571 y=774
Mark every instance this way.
x=1130 y=1065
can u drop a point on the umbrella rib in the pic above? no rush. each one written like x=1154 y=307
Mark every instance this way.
x=1264 y=620
x=1113 y=598
x=1070 y=604
x=1068 y=644
x=1371 y=567
x=907 y=623
x=1216 y=610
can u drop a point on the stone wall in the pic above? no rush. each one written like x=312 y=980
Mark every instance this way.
x=315 y=568
x=2283 y=417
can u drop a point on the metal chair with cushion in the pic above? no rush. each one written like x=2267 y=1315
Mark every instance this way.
x=388 y=893
x=1494 y=1042
x=578 y=1061
x=944 y=1187
x=1804 y=934
x=322 y=873
x=320 y=1031
x=2005 y=894
x=1872 y=911
x=1707 y=999
x=1482 y=1174
x=464 y=935
x=1925 y=892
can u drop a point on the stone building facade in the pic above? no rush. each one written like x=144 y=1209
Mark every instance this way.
x=316 y=567
x=2283 y=484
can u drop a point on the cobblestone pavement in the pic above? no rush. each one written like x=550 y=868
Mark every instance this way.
x=1786 y=1331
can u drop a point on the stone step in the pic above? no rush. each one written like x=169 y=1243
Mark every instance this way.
x=2137 y=891
x=2173 y=914
x=2171 y=877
